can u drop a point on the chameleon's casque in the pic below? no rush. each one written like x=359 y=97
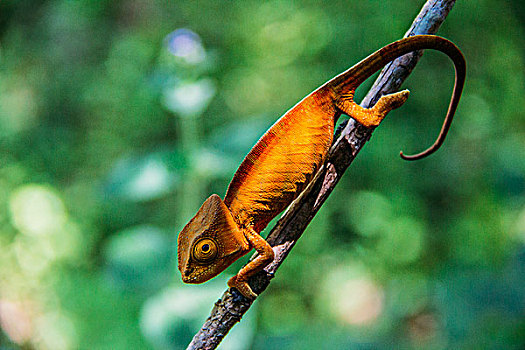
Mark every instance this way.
x=283 y=162
x=211 y=236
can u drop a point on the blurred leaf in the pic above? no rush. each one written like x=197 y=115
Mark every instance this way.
x=139 y=258
x=147 y=177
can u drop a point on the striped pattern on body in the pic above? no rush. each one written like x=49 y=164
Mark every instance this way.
x=282 y=162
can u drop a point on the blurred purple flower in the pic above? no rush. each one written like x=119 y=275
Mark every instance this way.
x=185 y=44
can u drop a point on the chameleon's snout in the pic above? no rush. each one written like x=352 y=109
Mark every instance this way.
x=187 y=277
x=187 y=272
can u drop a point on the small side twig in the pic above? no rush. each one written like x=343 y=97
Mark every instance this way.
x=231 y=307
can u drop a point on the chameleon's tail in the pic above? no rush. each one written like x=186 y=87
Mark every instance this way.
x=353 y=77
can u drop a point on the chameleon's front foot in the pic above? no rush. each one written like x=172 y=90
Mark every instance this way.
x=265 y=257
x=371 y=117
x=242 y=287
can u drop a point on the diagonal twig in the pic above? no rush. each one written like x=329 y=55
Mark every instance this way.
x=352 y=137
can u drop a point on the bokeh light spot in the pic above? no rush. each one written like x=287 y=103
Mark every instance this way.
x=36 y=210
x=190 y=99
x=352 y=296
x=56 y=331
x=153 y=180
x=185 y=44
x=15 y=321
x=18 y=109
x=33 y=255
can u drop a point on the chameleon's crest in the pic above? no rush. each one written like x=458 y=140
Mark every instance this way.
x=210 y=242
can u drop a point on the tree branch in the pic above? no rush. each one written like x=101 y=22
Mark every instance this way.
x=352 y=137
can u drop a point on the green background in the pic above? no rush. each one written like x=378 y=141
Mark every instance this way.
x=118 y=118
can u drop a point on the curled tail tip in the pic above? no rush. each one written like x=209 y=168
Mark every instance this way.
x=402 y=155
x=418 y=156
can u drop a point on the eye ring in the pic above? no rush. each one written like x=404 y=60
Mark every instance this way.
x=205 y=250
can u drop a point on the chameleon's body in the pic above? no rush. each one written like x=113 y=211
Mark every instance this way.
x=283 y=162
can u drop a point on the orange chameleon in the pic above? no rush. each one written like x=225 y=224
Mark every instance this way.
x=283 y=162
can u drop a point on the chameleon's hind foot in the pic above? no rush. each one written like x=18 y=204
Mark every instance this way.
x=371 y=117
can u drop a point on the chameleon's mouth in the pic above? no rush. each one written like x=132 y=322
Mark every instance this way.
x=186 y=278
x=189 y=275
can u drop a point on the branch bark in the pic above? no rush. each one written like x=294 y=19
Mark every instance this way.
x=348 y=142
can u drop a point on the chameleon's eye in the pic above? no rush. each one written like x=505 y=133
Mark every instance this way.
x=205 y=250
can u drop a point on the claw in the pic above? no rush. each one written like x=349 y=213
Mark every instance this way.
x=242 y=287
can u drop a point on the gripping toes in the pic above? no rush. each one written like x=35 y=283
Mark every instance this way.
x=242 y=287
x=371 y=117
x=392 y=101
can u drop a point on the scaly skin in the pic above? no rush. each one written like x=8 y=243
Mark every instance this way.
x=283 y=162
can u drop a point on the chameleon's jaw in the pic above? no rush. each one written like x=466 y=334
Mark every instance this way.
x=186 y=275
x=189 y=276
x=189 y=279
x=199 y=274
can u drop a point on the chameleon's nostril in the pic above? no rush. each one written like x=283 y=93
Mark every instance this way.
x=188 y=271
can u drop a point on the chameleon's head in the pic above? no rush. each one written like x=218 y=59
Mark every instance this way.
x=210 y=242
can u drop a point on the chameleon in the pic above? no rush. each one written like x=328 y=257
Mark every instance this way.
x=284 y=160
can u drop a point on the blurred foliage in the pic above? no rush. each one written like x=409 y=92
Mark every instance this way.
x=118 y=118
